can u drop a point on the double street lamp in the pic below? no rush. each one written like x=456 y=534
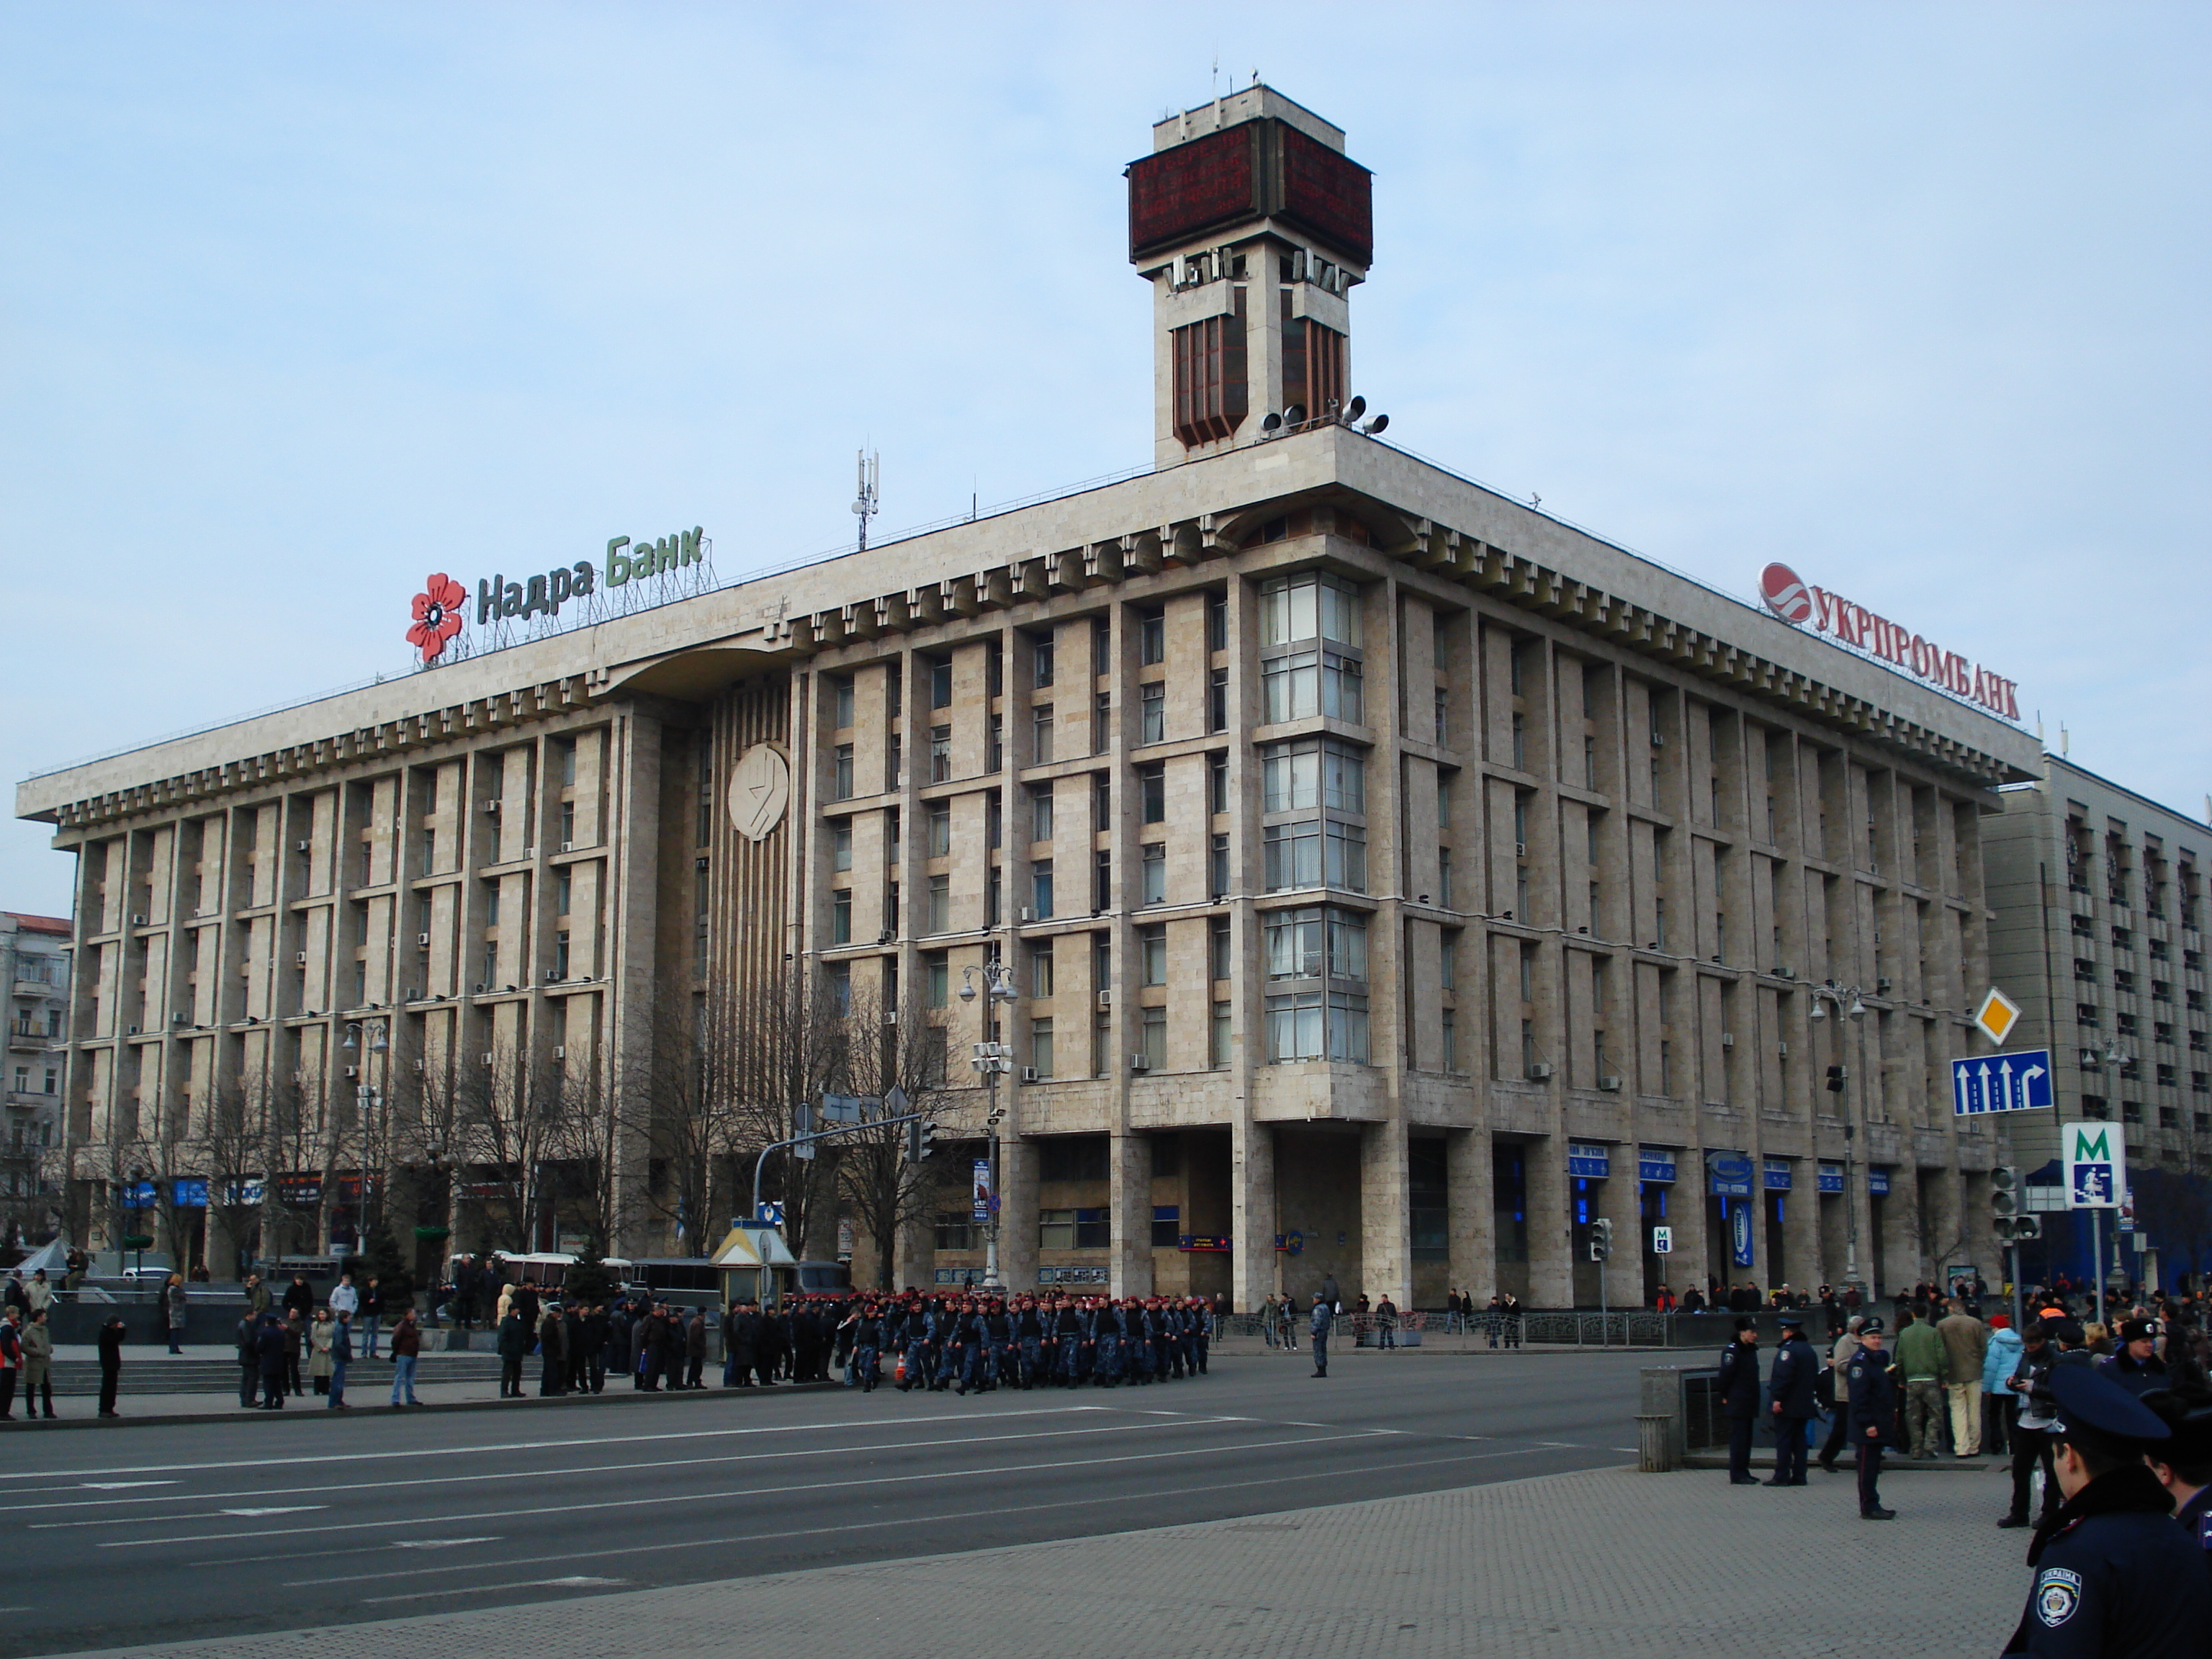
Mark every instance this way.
x=991 y=1058
x=368 y=1097
x=1850 y=1004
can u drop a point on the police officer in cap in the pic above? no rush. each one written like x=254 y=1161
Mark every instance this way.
x=1873 y=1415
x=2184 y=1464
x=2113 y=1575
x=1790 y=1387
x=2137 y=1367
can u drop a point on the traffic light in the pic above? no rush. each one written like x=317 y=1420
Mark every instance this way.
x=2027 y=1229
x=2004 y=1192
x=1837 y=1076
x=920 y=1136
x=1600 y=1244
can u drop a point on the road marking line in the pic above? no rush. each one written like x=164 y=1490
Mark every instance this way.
x=659 y=1500
x=595 y=1468
x=118 y=1485
x=273 y=1509
x=786 y=1533
x=437 y=1543
x=576 y=1581
x=600 y=1441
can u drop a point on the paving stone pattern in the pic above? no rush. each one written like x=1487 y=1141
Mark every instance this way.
x=1602 y=1563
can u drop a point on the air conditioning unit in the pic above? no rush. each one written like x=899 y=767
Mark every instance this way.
x=137 y=921
x=419 y=1066
x=1658 y=739
x=1140 y=1062
x=422 y=940
x=1785 y=972
x=1782 y=1049
x=413 y=993
x=560 y=1051
x=299 y=958
x=133 y=1031
x=353 y=1071
x=478 y=990
x=552 y=978
x=699 y=864
x=1610 y=1083
x=1106 y=999
x=530 y=851
x=1520 y=849
x=1029 y=1074
x=1727 y=1039
x=1539 y=1072
x=1881 y=988
x=890 y=1017
x=568 y=846
x=487 y=1060
x=1026 y=913
x=492 y=807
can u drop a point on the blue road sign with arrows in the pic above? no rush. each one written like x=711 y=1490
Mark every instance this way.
x=2018 y=1082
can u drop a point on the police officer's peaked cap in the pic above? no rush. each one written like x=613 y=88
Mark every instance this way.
x=2095 y=1408
x=1872 y=1327
x=2188 y=1416
x=2138 y=1330
x=2067 y=1331
x=1793 y=1322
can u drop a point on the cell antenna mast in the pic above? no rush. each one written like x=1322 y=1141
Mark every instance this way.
x=864 y=504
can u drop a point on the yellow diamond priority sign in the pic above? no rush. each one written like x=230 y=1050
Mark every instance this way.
x=1996 y=1016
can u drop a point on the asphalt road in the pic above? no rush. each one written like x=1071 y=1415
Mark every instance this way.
x=268 y=1523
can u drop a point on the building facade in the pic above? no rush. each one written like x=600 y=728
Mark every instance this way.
x=2098 y=899
x=37 y=952
x=1389 y=880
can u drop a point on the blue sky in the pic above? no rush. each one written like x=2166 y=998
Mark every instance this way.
x=303 y=302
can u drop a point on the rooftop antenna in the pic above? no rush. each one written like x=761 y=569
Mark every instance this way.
x=2065 y=740
x=864 y=504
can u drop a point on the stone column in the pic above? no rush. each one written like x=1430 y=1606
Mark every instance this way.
x=1130 y=1177
x=1386 y=1223
x=1254 y=1224
x=1550 y=1224
x=1470 y=1179
x=1801 y=1226
x=1018 y=1212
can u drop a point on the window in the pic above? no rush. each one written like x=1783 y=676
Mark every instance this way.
x=1305 y=683
x=1101 y=881
x=1210 y=392
x=1041 y=734
x=1040 y=889
x=1102 y=801
x=1152 y=793
x=1102 y=646
x=1218 y=1036
x=1217 y=700
x=1041 y=1047
x=1041 y=971
x=841 y=772
x=1151 y=636
x=561 y=955
x=564 y=887
x=994 y=820
x=1152 y=1037
x=841 y=916
x=939 y=842
x=1216 y=622
x=1443 y=716
x=841 y=847
x=1217 y=783
x=1154 y=868
x=840 y=702
x=937 y=898
x=937 y=979
x=1219 y=952
x=1448 y=959
x=993 y=901
x=1308 y=607
x=940 y=753
x=1217 y=867
x=954 y=1231
x=940 y=683
x=1041 y=812
x=995 y=744
x=1317 y=940
x=1448 y=1042
x=1167 y=1226
x=1520 y=743
x=1312 y=772
x=1102 y=723
x=1041 y=658
x=1444 y=878
x=1152 y=711
x=894 y=761
x=1153 y=953
x=1317 y=1025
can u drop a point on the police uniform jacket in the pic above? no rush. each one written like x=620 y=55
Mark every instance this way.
x=1738 y=1384
x=2115 y=1576
x=2195 y=1517
x=2137 y=1376
x=1790 y=1385
x=1872 y=1395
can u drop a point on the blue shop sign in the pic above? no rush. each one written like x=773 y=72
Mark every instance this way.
x=1778 y=1175
x=138 y=1197
x=1831 y=1178
x=190 y=1191
x=1878 y=1182
x=1589 y=1162
x=1654 y=1164
x=1728 y=1175
x=1740 y=1236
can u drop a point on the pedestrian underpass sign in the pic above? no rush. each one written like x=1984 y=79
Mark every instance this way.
x=2017 y=1081
x=1662 y=1241
x=2096 y=1163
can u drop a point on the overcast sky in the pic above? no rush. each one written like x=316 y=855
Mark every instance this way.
x=302 y=303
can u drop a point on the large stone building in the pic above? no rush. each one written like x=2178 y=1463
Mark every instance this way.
x=36 y=951
x=1394 y=880
x=2098 y=897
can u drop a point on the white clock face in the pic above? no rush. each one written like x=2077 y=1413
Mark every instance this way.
x=760 y=790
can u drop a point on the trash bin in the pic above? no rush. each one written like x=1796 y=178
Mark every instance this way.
x=1657 y=1451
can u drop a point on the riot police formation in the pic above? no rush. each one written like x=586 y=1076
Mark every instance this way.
x=968 y=1344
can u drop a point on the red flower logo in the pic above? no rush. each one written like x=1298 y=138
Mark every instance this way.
x=437 y=615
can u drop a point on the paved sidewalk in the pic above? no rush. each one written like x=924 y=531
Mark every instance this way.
x=1605 y=1563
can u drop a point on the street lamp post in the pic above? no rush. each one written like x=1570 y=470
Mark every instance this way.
x=1852 y=1005
x=368 y=1096
x=991 y=1058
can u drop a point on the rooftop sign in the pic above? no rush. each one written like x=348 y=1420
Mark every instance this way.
x=1855 y=625
x=671 y=567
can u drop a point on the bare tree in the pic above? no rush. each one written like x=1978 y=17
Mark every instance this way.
x=583 y=1157
x=884 y=1189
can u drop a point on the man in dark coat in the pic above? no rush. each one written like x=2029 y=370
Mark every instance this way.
x=1737 y=1389
x=1871 y=1390
x=299 y=1298
x=513 y=1349
x=269 y=1347
x=740 y=1333
x=110 y=1362
x=248 y=1338
x=695 y=1348
x=553 y=1360
x=1790 y=1387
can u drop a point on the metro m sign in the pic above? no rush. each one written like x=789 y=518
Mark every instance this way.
x=2096 y=1157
